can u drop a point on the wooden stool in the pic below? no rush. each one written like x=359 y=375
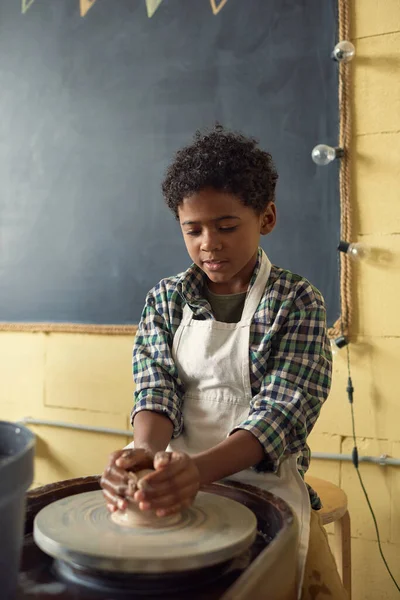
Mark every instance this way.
x=334 y=502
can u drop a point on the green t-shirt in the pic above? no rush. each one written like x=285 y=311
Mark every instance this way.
x=227 y=308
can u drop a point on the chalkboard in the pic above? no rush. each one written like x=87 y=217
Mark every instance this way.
x=92 y=110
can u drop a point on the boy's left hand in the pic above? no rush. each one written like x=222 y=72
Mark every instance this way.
x=172 y=487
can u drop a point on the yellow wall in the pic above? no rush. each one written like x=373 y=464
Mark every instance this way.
x=83 y=379
x=376 y=349
x=87 y=379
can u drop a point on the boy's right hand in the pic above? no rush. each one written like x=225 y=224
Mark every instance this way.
x=114 y=480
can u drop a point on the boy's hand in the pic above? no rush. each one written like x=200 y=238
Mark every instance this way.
x=114 y=480
x=172 y=487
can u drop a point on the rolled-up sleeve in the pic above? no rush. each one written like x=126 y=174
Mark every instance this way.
x=157 y=385
x=296 y=381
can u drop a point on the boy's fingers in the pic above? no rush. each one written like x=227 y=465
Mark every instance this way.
x=111 y=498
x=116 y=473
x=114 y=476
x=134 y=457
x=156 y=489
x=115 y=493
x=115 y=501
x=113 y=457
x=180 y=496
x=167 y=471
x=162 y=459
x=115 y=481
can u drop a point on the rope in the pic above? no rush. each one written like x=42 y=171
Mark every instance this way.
x=343 y=324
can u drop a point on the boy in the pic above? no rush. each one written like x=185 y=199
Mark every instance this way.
x=232 y=361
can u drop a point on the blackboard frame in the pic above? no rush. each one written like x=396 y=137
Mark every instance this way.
x=343 y=323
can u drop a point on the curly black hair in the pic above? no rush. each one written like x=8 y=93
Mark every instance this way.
x=226 y=161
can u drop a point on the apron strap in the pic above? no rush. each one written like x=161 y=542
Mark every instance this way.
x=254 y=296
x=187 y=315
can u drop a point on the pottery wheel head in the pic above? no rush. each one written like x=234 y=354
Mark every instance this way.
x=79 y=529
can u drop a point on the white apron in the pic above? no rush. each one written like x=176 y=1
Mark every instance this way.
x=213 y=362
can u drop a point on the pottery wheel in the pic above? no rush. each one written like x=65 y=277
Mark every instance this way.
x=79 y=530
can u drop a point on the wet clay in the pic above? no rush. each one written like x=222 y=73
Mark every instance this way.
x=133 y=517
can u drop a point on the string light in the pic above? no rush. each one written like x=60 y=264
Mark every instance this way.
x=343 y=52
x=338 y=343
x=355 y=250
x=341 y=341
x=323 y=155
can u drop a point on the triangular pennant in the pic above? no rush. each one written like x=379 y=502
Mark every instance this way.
x=216 y=8
x=26 y=4
x=86 y=5
x=152 y=6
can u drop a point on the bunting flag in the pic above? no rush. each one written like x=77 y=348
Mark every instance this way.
x=26 y=4
x=217 y=7
x=152 y=6
x=86 y=5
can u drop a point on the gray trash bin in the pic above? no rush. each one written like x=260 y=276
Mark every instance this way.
x=16 y=475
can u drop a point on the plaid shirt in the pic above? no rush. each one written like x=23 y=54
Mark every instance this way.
x=289 y=352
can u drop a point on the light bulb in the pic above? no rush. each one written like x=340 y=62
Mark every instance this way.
x=355 y=250
x=341 y=341
x=338 y=343
x=343 y=52
x=322 y=154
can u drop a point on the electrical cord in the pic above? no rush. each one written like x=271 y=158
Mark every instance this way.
x=350 y=394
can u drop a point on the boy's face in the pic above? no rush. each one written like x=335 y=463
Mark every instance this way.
x=222 y=237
